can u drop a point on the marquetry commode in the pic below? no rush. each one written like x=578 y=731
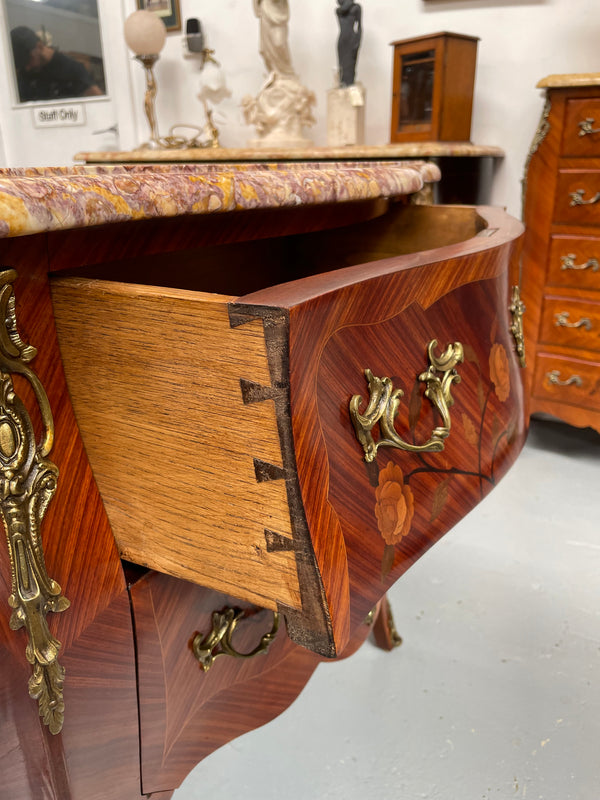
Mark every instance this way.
x=561 y=254
x=260 y=393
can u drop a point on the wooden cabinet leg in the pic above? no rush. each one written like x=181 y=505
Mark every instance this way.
x=384 y=630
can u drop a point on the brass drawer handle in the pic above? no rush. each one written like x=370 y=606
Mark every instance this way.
x=554 y=377
x=561 y=320
x=568 y=262
x=577 y=198
x=586 y=126
x=384 y=401
x=218 y=641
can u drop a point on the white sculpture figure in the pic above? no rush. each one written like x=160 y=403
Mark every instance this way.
x=283 y=106
x=274 y=16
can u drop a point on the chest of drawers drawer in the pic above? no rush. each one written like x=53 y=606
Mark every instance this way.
x=574 y=262
x=569 y=381
x=581 y=132
x=571 y=323
x=577 y=198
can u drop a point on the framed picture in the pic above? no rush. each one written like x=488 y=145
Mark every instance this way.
x=56 y=49
x=167 y=10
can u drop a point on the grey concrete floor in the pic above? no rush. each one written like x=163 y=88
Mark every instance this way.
x=495 y=692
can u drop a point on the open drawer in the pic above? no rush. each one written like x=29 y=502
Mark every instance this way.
x=219 y=426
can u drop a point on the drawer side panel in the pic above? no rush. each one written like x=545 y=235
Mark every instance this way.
x=187 y=470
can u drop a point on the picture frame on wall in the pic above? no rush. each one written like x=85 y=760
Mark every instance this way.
x=168 y=10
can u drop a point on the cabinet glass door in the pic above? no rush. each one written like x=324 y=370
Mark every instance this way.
x=416 y=88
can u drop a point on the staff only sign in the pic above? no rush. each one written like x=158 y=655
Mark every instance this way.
x=58 y=116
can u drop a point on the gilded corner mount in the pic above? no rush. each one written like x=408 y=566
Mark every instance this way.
x=517 y=309
x=28 y=482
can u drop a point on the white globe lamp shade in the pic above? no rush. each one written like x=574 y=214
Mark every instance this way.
x=145 y=33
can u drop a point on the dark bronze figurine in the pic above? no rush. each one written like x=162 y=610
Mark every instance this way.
x=349 y=16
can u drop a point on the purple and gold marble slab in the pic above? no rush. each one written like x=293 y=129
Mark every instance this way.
x=59 y=198
x=350 y=152
x=569 y=80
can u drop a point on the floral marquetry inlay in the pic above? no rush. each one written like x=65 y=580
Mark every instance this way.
x=500 y=371
x=395 y=504
x=395 y=500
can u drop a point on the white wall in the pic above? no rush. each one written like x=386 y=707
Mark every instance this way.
x=521 y=42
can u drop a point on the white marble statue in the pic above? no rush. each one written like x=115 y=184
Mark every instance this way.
x=274 y=16
x=282 y=108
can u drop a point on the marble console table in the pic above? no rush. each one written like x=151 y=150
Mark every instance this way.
x=467 y=169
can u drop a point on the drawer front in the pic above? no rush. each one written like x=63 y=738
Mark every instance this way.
x=574 y=262
x=571 y=323
x=581 y=132
x=577 y=200
x=185 y=712
x=567 y=380
x=362 y=354
x=391 y=509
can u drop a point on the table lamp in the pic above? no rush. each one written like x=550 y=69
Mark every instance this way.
x=145 y=34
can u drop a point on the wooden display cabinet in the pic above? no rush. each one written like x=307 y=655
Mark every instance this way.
x=433 y=83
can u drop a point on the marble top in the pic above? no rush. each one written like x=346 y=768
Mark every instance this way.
x=351 y=152
x=569 y=80
x=38 y=200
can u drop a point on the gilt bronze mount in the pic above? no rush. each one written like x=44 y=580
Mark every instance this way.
x=586 y=127
x=555 y=379
x=384 y=401
x=517 y=309
x=568 y=262
x=28 y=482
x=562 y=320
x=218 y=642
x=576 y=198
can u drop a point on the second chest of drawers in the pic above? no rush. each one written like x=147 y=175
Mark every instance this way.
x=561 y=259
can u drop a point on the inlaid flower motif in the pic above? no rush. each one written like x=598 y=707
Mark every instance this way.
x=500 y=371
x=471 y=434
x=394 y=508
